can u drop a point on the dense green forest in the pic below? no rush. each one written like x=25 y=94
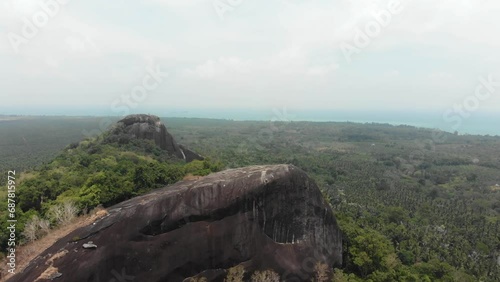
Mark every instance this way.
x=27 y=142
x=414 y=204
x=428 y=202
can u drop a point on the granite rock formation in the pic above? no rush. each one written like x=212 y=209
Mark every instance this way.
x=151 y=128
x=259 y=217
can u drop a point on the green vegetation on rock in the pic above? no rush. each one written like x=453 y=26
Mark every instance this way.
x=96 y=172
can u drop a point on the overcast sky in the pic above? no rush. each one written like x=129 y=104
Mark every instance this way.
x=294 y=54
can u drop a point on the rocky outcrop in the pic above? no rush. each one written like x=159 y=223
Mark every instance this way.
x=151 y=128
x=259 y=217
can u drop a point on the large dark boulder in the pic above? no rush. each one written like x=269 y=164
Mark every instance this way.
x=260 y=217
x=151 y=128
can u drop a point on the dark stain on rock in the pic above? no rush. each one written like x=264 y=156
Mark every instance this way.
x=260 y=217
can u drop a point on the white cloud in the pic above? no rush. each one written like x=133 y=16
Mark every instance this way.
x=288 y=63
x=391 y=74
x=440 y=76
x=430 y=53
x=322 y=70
x=221 y=68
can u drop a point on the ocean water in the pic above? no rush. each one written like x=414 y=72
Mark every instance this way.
x=479 y=123
x=476 y=123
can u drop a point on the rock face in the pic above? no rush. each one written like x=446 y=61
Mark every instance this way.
x=259 y=217
x=150 y=127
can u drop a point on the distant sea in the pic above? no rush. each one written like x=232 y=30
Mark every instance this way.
x=477 y=123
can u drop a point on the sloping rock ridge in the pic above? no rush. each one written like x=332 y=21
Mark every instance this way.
x=151 y=128
x=259 y=217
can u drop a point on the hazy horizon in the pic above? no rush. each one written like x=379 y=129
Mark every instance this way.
x=438 y=61
x=480 y=124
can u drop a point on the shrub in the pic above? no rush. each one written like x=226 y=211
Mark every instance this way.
x=235 y=274
x=321 y=272
x=200 y=279
x=36 y=228
x=30 y=229
x=265 y=276
x=63 y=213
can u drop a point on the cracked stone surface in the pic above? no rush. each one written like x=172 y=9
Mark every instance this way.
x=260 y=217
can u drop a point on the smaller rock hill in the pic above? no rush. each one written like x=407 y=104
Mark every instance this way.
x=258 y=217
x=150 y=127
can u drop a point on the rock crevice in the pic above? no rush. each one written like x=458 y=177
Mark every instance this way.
x=203 y=227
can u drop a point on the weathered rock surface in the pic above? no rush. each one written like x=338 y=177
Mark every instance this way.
x=151 y=128
x=260 y=217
